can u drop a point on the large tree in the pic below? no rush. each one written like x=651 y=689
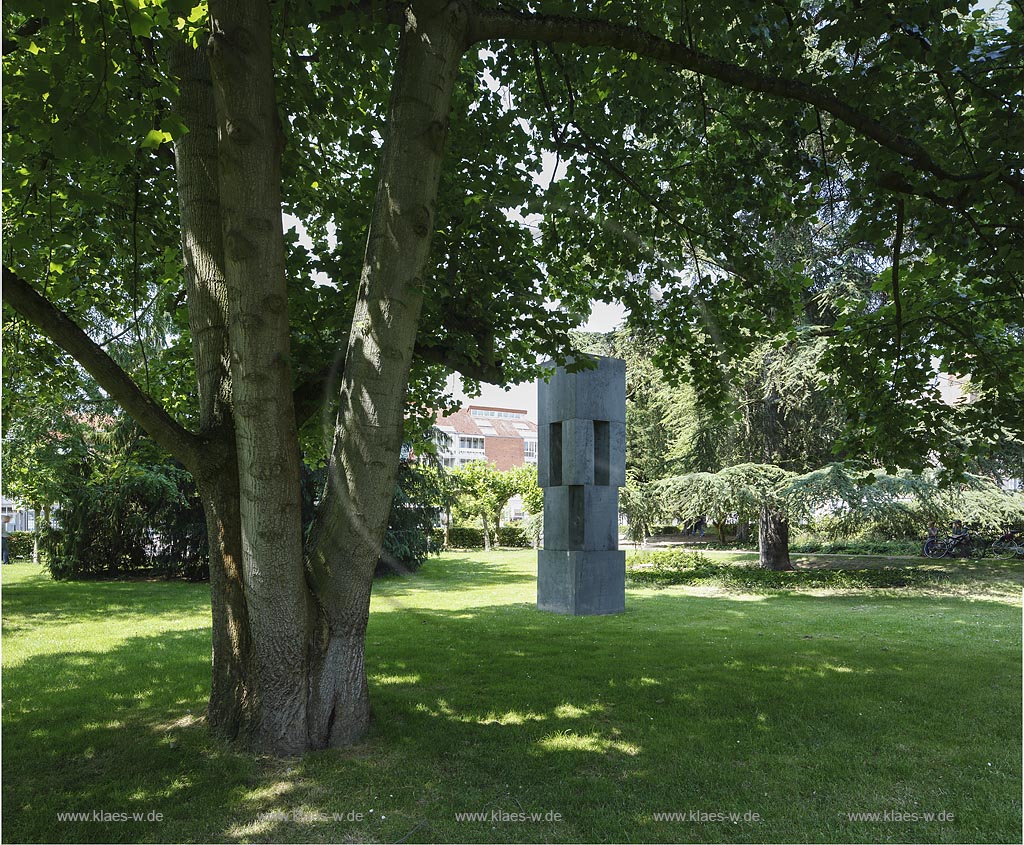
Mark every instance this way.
x=330 y=107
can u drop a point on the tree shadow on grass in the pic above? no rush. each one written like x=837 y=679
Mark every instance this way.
x=114 y=731
x=798 y=707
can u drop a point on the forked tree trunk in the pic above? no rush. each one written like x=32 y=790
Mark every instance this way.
x=288 y=664
x=773 y=541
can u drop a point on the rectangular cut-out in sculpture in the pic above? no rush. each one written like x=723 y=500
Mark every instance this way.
x=555 y=454
x=602 y=453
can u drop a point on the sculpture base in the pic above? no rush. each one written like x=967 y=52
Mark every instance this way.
x=581 y=583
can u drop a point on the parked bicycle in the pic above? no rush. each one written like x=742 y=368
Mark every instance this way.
x=1011 y=544
x=962 y=543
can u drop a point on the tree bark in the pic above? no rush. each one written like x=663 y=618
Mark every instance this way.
x=773 y=541
x=266 y=437
x=230 y=707
x=231 y=710
x=352 y=518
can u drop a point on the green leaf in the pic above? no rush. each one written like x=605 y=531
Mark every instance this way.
x=154 y=138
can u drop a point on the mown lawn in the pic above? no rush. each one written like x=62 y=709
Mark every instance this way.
x=799 y=706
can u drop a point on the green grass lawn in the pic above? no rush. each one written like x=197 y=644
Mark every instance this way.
x=799 y=706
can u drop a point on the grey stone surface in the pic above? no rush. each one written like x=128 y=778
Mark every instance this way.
x=577 y=451
x=581 y=517
x=581 y=463
x=581 y=583
x=596 y=394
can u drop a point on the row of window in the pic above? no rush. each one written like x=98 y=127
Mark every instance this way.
x=508 y=415
x=476 y=444
x=449 y=461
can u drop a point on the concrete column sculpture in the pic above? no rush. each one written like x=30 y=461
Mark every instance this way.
x=581 y=464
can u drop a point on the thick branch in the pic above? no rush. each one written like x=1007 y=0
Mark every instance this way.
x=311 y=394
x=64 y=332
x=490 y=24
x=491 y=373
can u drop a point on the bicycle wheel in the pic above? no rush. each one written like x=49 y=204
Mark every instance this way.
x=1003 y=549
x=935 y=549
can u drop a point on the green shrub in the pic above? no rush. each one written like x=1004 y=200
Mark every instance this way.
x=465 y=537
x=673 y=567
x=514 y=537
x=811 y=544
x=410 y=523
x=20 y=543
x=665 y=568
x=667 y=529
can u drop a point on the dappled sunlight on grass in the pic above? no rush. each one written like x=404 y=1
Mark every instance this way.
x=394 y=680
x=795 y=705
x=510 y=717
x=571 y=711
x=590 y=743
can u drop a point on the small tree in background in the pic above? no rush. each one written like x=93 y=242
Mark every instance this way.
x=532 y=494
x=484 y=492
x=742 y=491
x=643 y=506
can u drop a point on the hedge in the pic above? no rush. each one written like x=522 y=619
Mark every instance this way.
x=513 y=537
x=465 y=537
x=470 y=537
x=20 y=543
x=663 y=569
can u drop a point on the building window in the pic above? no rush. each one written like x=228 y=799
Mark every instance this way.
x=472 y=443
x=530 y=449
x=505 y=415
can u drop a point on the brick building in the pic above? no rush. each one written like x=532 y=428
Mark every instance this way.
x=502 y=436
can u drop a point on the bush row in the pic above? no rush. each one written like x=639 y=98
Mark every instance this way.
x=856 y=546
x=471 y=537
x=20 y=543
x=675 y=567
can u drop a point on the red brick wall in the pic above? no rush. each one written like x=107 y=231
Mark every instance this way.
x=504 y=452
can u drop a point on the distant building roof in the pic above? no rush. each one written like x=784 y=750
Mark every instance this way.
x=464 y=421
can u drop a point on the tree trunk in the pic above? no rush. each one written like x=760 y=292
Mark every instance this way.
x=349 y=529
x=773 y=541
x=486 y=533
x=230 y=709
x=266 y=436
